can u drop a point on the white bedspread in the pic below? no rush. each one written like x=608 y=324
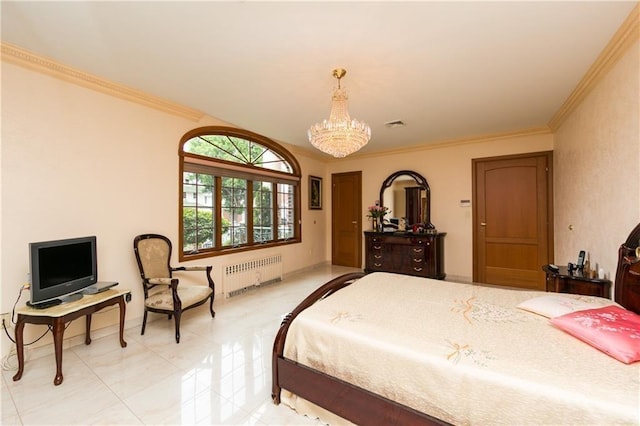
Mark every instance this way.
x=462 y=353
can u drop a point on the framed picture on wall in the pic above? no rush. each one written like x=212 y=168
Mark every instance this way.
x=315 y=193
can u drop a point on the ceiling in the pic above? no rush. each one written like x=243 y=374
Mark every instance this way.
x=448 y=70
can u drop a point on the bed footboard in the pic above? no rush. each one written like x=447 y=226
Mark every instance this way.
x=351 y=402
x=319 y=294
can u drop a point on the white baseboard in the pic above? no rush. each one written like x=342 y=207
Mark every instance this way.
x=459 y=279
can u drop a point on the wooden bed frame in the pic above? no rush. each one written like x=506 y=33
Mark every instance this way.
x=364 y=407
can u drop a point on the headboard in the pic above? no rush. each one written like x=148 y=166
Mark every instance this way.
x=627 y=292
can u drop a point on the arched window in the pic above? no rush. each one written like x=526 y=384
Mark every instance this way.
x=240 y=191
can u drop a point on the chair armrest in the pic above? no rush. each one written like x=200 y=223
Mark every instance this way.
x=191 y=268
x=207 y=269
x=162 y=281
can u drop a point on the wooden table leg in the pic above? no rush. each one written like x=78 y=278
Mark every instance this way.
x=87 y=336
x=123 y=308
x=19 y=347
x=556 y=281
x=58 y=333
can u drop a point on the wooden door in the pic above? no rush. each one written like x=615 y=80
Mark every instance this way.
x=346 y=214
x=513 y=219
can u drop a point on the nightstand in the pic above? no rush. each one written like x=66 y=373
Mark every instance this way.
x=576 y=282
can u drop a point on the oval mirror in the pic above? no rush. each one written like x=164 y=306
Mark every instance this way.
x=407 y=195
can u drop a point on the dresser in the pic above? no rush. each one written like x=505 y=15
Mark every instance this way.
x=421 y=255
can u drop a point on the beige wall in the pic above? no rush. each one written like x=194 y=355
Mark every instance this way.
x=597 y=168
x=78 y=162
x=448 y=170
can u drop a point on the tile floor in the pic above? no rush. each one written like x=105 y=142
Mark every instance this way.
x=220 y=373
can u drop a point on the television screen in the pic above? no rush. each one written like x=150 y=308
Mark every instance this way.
x=61 y=268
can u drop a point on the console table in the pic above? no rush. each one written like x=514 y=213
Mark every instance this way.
x=576 y=282
x=421 y=255
x=57 y=316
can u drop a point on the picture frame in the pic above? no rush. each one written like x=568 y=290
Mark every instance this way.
x=315 y=193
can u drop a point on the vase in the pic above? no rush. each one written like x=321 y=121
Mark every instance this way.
x=376 y=224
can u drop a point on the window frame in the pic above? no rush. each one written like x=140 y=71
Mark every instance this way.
x=214 y=166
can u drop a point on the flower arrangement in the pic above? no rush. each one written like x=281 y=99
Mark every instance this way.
x=377 y=211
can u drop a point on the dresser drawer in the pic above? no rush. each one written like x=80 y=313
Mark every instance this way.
x=377 y=261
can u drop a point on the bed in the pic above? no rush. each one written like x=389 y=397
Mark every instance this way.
x=393 y=349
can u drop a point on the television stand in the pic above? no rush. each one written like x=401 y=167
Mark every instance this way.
x=57 y=316
x=44 y=305
x=69 y=298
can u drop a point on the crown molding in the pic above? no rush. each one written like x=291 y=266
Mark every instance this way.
x=543 y=130
x=307 y=151
x=18 y=56
x=622 y=40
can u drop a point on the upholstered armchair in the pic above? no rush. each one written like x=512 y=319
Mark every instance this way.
x=162 y=292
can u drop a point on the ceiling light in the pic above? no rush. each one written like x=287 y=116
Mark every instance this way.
x=340 y=135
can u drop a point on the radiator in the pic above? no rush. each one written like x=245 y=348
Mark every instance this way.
x=240 y=277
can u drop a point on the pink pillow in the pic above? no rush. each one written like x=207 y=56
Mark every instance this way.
x=613 y=330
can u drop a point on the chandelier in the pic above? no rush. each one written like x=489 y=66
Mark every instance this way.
x=340 y=135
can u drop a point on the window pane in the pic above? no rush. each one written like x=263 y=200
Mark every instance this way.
x=238 y=150
x=286 y=214
x=197 y=214
x=205 y=218
x=189 y=229
x=234 y=211
x=262 y=211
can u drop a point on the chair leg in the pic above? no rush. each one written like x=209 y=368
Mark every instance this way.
x=144 y=322
x=177 y=319
x=213 y=314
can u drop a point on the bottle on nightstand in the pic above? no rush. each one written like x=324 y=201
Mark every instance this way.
x=587 y=266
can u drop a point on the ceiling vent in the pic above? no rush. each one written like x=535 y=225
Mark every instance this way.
x=395 y=123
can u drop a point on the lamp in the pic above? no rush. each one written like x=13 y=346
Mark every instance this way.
x=340 y=135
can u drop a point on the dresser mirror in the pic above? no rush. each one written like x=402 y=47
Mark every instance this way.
x=407 y=195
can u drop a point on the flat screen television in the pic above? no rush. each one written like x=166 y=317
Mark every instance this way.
x=62 y=269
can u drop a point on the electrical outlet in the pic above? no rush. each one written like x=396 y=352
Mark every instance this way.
x=6 y=319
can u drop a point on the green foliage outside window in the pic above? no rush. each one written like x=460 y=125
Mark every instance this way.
x=198 y=229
